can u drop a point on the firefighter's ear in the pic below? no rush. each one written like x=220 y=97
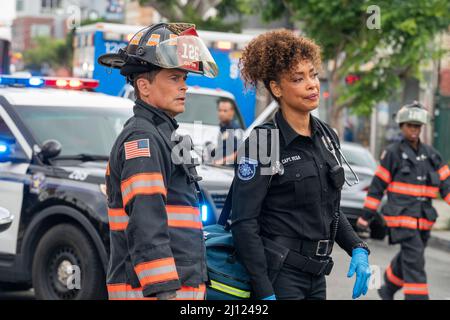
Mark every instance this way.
x=143 y=86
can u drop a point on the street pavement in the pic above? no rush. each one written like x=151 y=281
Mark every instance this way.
x=437 y=268
x=340 y=287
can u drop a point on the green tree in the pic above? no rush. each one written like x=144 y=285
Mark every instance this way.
x=205 y=14
x=384 y=57
x=55 y=52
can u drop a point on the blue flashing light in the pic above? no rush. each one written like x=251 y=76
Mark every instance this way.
x=36 y=82
x=3 y=148
x=204 y=213
x=21 y=81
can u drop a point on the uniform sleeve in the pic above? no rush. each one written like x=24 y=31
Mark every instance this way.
x=444 y=178
x=382 y=178
x=346 y=237
x=144 y=179
x=249 y=191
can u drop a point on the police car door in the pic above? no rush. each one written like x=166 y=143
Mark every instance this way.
x=12 y=178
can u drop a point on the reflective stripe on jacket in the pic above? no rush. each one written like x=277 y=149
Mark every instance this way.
x=411 y=179
x=156 y=236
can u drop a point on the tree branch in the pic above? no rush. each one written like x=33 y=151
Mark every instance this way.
x=171 y=12
x=344 y=105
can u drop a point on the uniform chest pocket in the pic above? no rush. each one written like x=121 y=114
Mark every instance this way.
x=405 y=170
x=303 y=176
x=298 y=171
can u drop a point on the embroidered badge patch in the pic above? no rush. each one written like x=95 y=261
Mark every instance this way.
x=136 y=149
x=247 y=168
x=37 y=182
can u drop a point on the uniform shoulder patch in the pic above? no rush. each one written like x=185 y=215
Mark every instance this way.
x=137 y=148
x=247 y=168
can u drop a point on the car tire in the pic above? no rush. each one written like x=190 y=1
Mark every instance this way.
x=53 y=274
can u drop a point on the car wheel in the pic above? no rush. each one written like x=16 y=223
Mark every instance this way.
x=66 y=266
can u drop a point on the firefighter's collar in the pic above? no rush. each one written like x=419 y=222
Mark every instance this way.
x=148 y=111
x=408 y=151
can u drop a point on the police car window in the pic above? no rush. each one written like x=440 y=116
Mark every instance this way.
x=4 y=130
x=202 y=107
x=6 y=136
x=79 y=130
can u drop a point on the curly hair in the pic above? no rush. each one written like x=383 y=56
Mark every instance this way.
x=273 y=53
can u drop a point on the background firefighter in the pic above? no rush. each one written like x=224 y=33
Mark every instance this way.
x=412 y=173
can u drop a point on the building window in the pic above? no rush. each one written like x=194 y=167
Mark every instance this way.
x=48 y=6
x=19 y=5
x=40 y=30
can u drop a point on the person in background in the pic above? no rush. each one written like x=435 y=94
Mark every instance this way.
x=413 y=173
x=225 y=152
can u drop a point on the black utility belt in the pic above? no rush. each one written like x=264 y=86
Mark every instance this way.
x=312 y=249
x=309 y=265
x=307 y=256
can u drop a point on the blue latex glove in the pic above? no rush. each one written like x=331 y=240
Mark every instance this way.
x=272 y=297
x=360 y=266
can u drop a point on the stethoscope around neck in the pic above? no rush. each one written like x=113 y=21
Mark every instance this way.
x=332 y=146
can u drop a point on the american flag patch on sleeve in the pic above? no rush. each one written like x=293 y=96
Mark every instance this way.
x=136 y=149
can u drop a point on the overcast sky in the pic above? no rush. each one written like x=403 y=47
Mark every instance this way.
x=7 y=12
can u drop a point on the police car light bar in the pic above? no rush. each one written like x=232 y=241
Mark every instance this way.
x=48 y=82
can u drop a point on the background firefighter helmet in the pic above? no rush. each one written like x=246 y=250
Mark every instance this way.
x=412 y=113
x=163 y=45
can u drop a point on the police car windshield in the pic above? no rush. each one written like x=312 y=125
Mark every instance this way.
x=80 y=130
x=203 y=107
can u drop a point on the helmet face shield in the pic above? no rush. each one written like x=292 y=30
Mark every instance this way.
x=164 y=45
x=187 y=53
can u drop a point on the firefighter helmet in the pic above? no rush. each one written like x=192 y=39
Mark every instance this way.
x=163 y=45
x=412 y=113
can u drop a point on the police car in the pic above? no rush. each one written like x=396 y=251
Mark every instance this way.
x=54 y=147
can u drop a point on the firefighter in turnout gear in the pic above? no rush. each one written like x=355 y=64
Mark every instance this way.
x=413 y=174
x=157 y=246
